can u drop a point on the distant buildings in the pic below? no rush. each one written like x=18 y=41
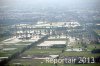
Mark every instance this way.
x=41 y=28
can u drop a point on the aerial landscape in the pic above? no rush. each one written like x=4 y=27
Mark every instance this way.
x=49 y=33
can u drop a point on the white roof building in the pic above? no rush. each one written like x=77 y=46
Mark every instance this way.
x=51 y=43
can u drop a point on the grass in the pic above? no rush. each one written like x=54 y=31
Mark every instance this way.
x=4 y=54
x=85 y=54
x=34 y=62
x=43 y=51
x=93 y=46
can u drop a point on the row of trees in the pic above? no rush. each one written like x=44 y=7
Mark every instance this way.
x=5 y=61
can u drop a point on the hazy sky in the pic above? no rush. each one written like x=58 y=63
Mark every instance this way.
x=47 y=3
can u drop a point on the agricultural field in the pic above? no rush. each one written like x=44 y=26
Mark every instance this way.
x=29 y=46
